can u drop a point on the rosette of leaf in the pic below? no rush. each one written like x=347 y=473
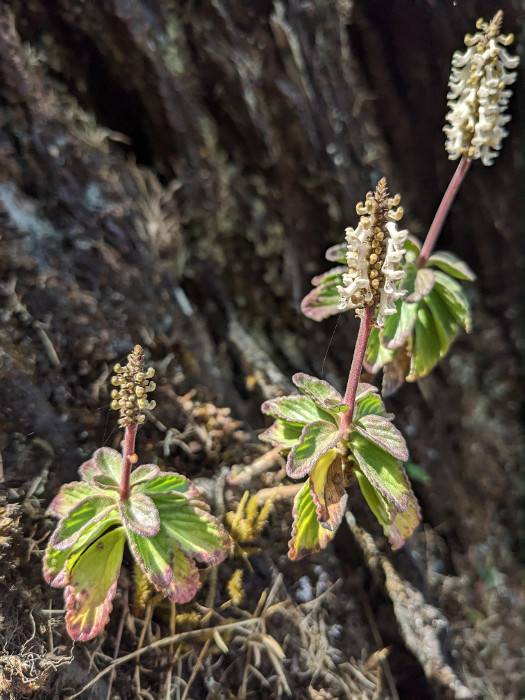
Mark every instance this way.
x=426 y=322
x=309 y=426
x=167 y=527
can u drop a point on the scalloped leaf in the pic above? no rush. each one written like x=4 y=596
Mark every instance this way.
x=146 y=472
x=423 y=284
x=102 y=482
x=451 y=265
x=92 y=586
x=155 y=556
x=168 y=483
x=383 y=470
x=381 y=431
x=57 y=563
x=323 y=300
x=68 y=497
x=426 y=351
x=105 y=461
x=296 y=409
x=308 y=536
x=370 y=404
x=282 y=434
x=199 y=534
x=320 y=391
x=185 y=581
x=140 y=515
x=91 y=510
x=337 y=253
x=328 y=491
x=397 y=525
x=316 y=439
x=451 y=292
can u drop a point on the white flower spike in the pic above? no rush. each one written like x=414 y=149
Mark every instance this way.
x=477 y=98
x=375 y=250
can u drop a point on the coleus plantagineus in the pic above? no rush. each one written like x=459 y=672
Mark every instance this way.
x=333 y=439
x=159 y=514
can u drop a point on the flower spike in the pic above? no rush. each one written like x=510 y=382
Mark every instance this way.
x=375 y=249
x=130 y=398
x=477 y=98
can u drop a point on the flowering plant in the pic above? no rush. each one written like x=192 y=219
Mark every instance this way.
x=411 y=306
x=160 y=515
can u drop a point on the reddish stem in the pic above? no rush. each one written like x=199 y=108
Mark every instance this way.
x=442 y=212
x=357 y=363
x=128 y=451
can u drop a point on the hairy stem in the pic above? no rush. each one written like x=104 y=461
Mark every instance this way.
x=357 y=364
x=442 y=212
x=128 y=458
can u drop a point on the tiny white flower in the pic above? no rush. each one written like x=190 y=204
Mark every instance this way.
x=477 y=97
x=375 y=251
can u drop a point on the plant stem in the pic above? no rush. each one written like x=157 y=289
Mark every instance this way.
x=128 y=452
x=442 y=212
x=357 y=364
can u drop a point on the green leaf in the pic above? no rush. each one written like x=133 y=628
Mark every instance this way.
x=57 y=563
x=140 y=515
x=455 y=299
x=397 y=331
x=417 y=473
x=92 y=586
x=146 y=472
x=426 y=352
x=170 y=483
x=381 y=431
x=451 y=265
x=320 y=391
x=282 y=434
x=323 y=300
x=307 y=534
x=424 y=282
x=395 y=372
x=101 y=482
x=316 y=439
x=398 y=525
x=68 y=497
x=337 y=253
x=370 y=404
x=296 y=409
x=328 y=491
x=185 y=581
x=412 y=245
x=105 y=461
x=90 y=510
x=377 y=355
x=199 y=534
x=446 y=326
x=154 y=555
x=382 y=470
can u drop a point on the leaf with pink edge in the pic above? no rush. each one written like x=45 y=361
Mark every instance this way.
x=423 y=284
x=328 y=491
x=92 y=586
x=282 y=434
x=370 y=404
x=308 y=536
x=296 y=409
x=185 y=581
x=68 y=497
x=199 y=534
x=383 y=470
x=169 y=483
x=398 y=525
x=323 y=300
x=57 y=563
x=105 y=461
x=320 y=391
x=381 y=431
x=316 y=439
x=451 y=265
x=154 y=555
x=102 y=482
x=140 y=515
x=337 y=253
x=90 y=510
x=144 y=473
